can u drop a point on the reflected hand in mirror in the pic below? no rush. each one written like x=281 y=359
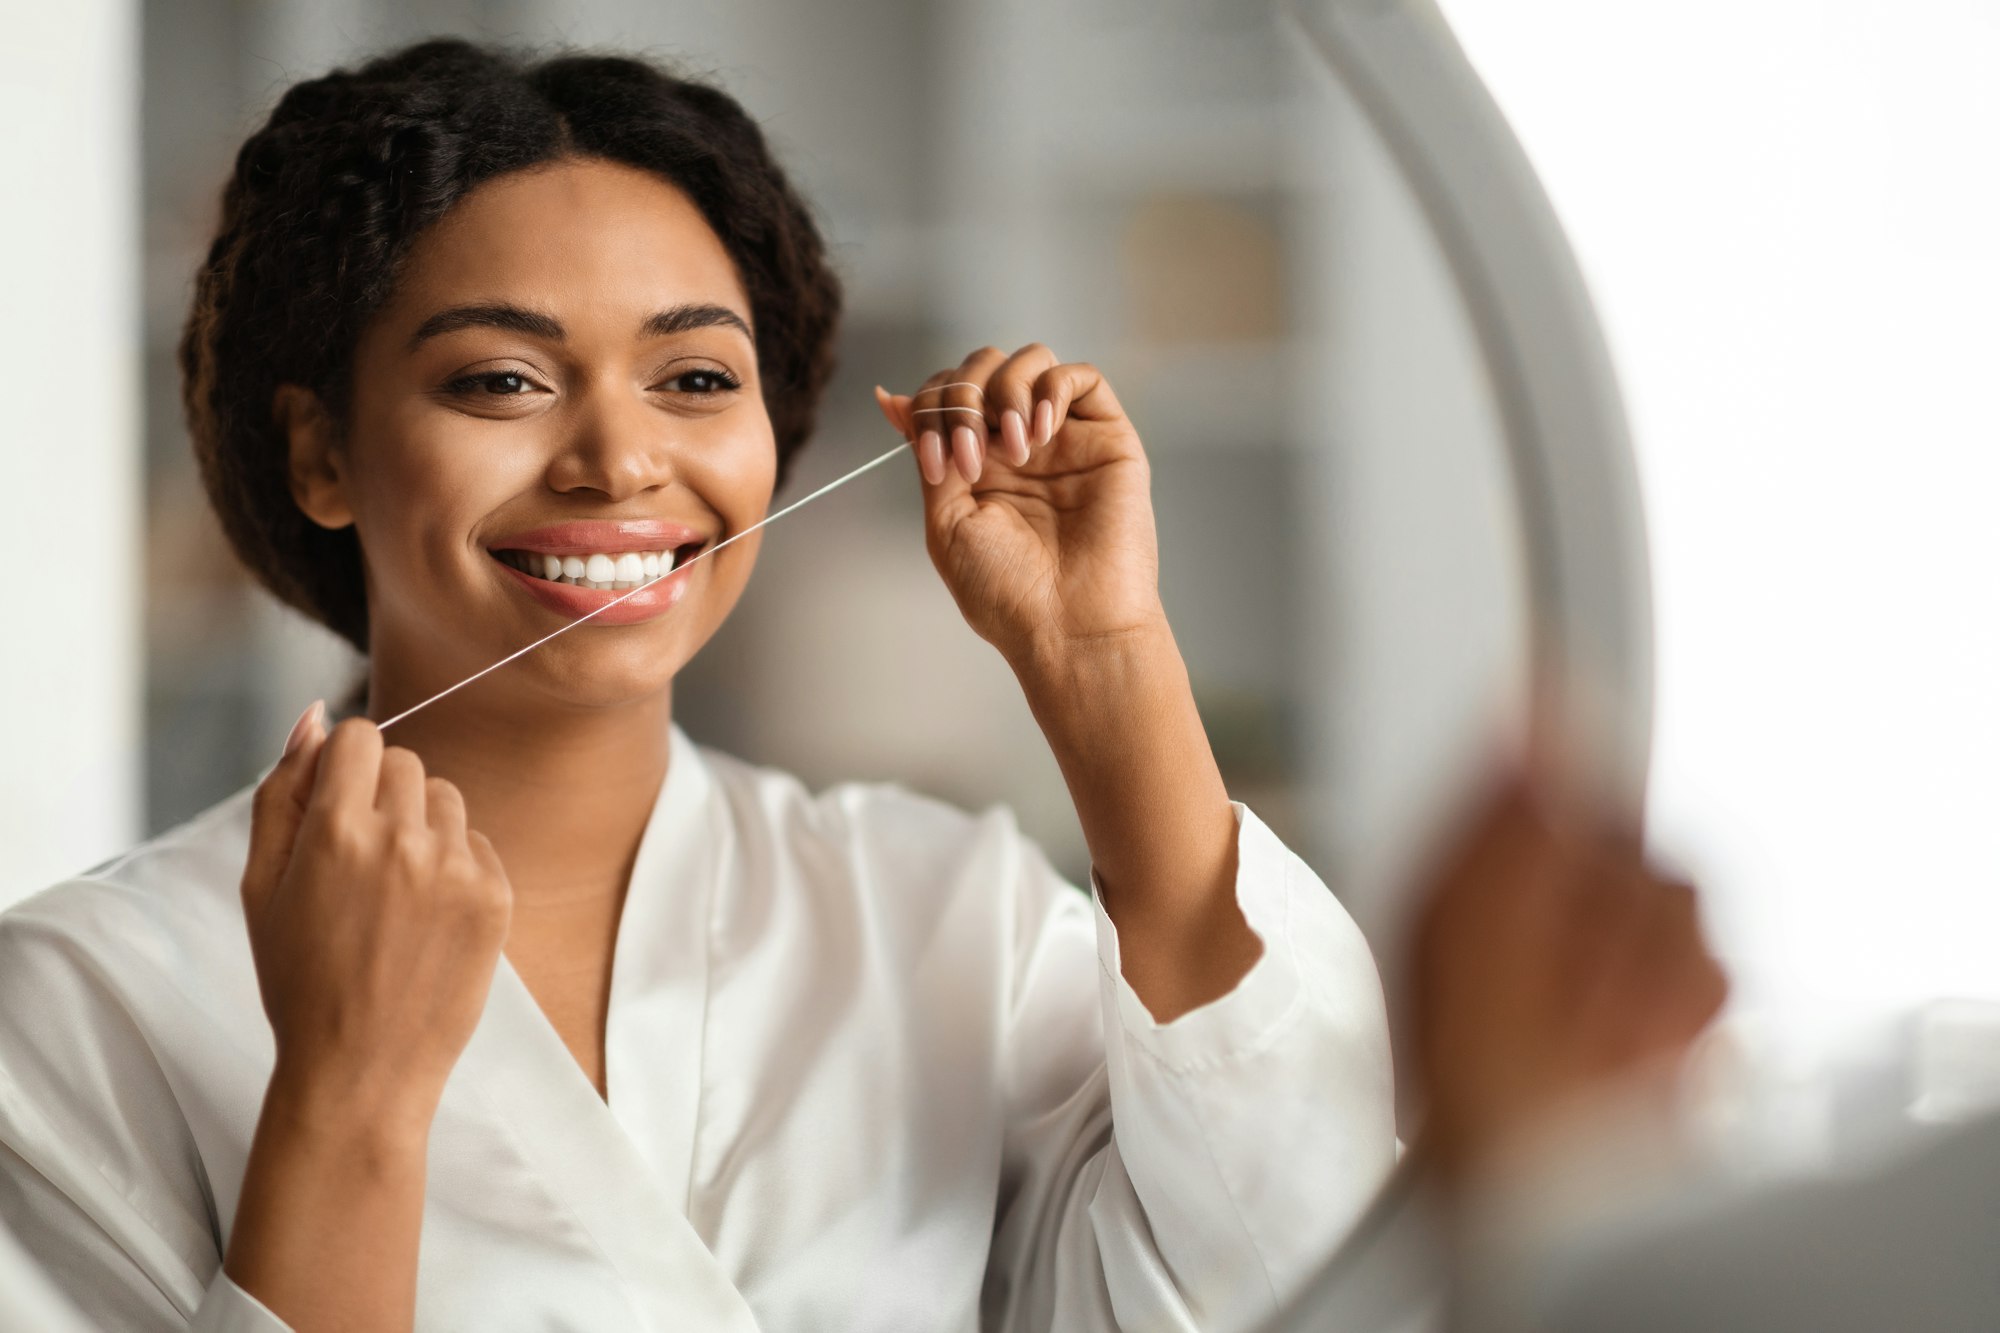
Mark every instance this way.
x=1552 y=964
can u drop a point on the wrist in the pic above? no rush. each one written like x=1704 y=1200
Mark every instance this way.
x=1056 y=668
x=369 y=1116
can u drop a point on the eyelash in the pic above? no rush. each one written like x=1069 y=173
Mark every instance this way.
x=466 y=384
x=724 y=381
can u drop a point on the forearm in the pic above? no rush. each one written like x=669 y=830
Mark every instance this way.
x=1121 y=719
x=327 y=1228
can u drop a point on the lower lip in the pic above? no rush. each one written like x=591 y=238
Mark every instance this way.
x=655 y=599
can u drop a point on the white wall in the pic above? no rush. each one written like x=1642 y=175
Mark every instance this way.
x=1790 y=215
x=69 y=340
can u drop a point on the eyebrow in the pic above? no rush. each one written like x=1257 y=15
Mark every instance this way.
x=499 y=315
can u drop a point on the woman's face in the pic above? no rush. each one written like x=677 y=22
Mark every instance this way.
x=562 y=392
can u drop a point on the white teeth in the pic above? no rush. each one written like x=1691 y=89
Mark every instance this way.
x=605 y=570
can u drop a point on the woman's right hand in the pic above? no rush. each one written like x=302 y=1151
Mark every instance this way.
x=1551 y=963
x=376 y=921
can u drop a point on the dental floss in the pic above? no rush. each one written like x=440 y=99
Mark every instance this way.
x=522 y=652
x=955 y=384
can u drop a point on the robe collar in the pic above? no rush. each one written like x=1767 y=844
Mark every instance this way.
x=622 y=1168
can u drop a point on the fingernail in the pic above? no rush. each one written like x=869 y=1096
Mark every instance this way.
x=1045 y=421
x=964 y=447
x=1014 y=430
x=303 y=726
x=930 y=455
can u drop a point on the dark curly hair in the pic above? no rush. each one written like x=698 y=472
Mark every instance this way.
x=328 y=195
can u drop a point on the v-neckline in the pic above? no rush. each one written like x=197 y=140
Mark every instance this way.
x=622 y=1163
x=658 y=981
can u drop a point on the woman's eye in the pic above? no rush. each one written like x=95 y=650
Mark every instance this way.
x=499 y=383
x=705 y=382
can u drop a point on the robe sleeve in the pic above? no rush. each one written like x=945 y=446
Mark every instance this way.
x=1193 y=1174
x=99 y=1179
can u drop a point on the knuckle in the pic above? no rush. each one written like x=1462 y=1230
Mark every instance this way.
x=477 y=895
x=403 y=762
x=354 y=731
x=493 y=904
x=458 y=866
x=409 y=846
x=345 y=838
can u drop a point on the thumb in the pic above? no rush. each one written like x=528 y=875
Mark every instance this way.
x=896 y=407
x=279 y=807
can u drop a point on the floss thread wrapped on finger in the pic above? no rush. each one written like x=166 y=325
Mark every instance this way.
x=979 y=412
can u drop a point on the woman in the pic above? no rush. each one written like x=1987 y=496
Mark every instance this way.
x=635 y=1034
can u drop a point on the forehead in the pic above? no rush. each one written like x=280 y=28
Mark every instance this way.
x=574 y=238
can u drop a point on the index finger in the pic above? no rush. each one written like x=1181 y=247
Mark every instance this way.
x=350 y=766
x=278 y=808
x=952 y=406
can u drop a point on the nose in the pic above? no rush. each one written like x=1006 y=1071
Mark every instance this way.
x=618 y=445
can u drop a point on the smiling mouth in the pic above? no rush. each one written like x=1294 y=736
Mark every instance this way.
x=605 y=571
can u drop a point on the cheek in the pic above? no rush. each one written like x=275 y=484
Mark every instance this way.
x=737 y=473
x=736 y=479
x=424 y=483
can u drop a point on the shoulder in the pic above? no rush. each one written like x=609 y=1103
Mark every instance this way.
x=130 y=1018
x=148 y=904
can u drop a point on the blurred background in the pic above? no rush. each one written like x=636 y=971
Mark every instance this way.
x=1785 y=210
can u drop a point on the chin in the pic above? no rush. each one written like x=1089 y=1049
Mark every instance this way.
x=598 y=674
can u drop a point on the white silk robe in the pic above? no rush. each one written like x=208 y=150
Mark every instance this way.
x=871 y=1065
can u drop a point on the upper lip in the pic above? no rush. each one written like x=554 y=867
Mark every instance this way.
x=584 y=537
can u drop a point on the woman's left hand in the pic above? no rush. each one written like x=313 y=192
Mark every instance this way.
x=1036 y=502
x=1041 y=523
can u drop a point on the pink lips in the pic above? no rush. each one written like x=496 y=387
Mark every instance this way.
x=610 y=536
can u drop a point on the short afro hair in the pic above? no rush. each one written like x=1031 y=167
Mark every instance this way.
x=352 y=166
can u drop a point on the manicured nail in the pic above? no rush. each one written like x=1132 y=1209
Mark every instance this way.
x=304 y=725
x=1045 y=421
x=965 y=448
x=1014 y=430
x=930 y=456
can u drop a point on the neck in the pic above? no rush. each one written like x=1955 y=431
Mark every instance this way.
x=563 y=795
